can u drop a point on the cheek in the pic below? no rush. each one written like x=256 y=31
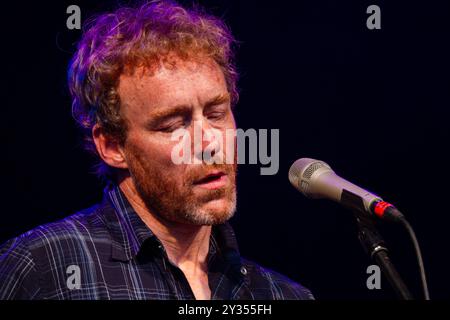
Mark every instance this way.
x=161 y=154
x=155 y=152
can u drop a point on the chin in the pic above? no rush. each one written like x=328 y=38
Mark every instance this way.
x=218 y=205
x=214 y=212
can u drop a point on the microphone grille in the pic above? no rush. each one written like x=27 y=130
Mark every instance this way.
x=313 y=168
x=302 y=170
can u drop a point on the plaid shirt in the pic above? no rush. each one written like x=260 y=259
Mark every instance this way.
x=107 y=252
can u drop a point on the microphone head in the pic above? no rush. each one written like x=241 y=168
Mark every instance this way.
x=301 y=172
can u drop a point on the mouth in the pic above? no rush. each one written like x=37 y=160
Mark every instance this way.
x=213 y=180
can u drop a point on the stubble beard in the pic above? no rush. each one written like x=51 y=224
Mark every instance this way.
x=163 y=196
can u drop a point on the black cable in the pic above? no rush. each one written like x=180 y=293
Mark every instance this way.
x=423 y=277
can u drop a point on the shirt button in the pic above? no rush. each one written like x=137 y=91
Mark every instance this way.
x=244 y=271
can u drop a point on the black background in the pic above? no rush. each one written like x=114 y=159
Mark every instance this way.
x=372 y=103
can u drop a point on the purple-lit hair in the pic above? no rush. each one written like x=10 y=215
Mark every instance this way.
x=118 y=42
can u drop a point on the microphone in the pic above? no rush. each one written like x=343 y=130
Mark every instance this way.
x=316 y=180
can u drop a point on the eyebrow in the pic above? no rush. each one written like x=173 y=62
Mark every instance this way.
x=161 y=115
x=167 y=113
x=219 y=99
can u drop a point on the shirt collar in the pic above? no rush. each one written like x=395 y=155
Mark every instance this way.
x=129 y=232
x=127 y=229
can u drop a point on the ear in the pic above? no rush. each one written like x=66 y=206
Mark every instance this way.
x=109 y=149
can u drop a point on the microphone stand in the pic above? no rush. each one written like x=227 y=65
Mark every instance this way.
x=375 y=247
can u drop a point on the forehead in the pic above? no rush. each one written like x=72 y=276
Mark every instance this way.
x=186 y=82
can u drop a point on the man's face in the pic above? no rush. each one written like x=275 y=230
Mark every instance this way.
x=155 y=105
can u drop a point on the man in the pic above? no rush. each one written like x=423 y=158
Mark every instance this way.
x=161 y=232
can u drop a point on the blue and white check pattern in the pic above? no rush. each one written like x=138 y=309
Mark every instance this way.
x=120 y=258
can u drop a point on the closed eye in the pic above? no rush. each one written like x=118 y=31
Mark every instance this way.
x=217 y=115
x=172 y=126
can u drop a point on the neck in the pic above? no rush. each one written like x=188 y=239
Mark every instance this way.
x=186 y=245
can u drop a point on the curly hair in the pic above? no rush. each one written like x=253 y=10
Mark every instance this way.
x=130 y=37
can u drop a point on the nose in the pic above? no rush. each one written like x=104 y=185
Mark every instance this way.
x=207 y=141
